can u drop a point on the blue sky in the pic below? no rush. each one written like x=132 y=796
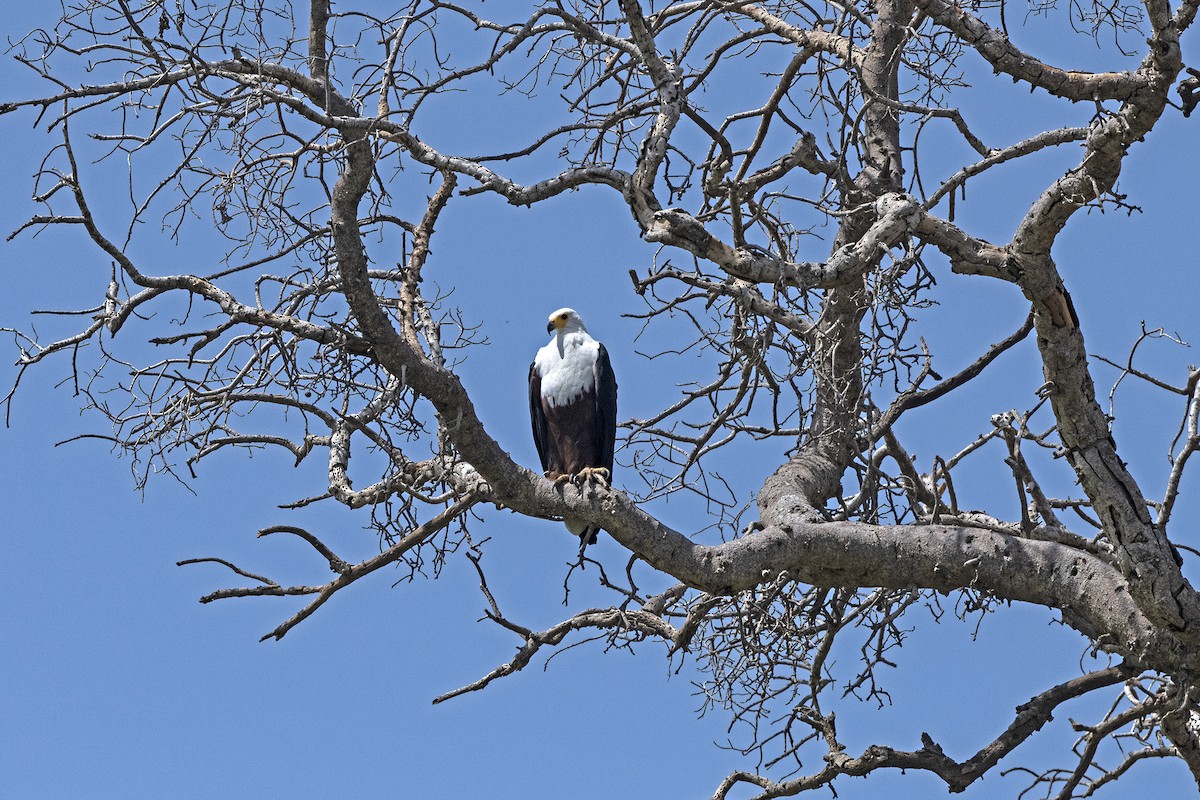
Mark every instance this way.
x=117 y=683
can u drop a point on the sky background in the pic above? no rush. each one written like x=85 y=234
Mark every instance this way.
x=117 y=683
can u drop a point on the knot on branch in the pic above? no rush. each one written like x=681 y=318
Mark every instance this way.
x=1189 y=91
x=675 y=226
x=899 y=206
x=928 y=745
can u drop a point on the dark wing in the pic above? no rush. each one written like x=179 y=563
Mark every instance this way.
x=606 y=409
x=537 y=416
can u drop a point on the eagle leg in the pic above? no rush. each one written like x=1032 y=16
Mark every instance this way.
x=559 y=480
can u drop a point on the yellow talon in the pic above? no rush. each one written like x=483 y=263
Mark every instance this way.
x=594 y=475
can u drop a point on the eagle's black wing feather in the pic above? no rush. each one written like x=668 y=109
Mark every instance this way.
x=606 y=409
x=537 y=416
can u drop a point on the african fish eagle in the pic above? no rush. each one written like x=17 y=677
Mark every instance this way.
x=573 y=407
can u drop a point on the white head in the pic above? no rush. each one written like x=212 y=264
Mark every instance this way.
x=565 y=320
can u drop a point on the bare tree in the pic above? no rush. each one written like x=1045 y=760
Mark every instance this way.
x=287 y=144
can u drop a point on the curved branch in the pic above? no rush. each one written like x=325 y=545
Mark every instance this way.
x=995 y=48
x=640 y=621
x=347 y=573
x=957 y=775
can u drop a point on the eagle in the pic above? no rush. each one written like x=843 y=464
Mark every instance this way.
x=573 y=408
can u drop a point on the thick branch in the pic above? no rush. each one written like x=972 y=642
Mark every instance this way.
x=995 y=47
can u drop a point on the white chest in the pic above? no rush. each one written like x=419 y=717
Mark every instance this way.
x=566 y=366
